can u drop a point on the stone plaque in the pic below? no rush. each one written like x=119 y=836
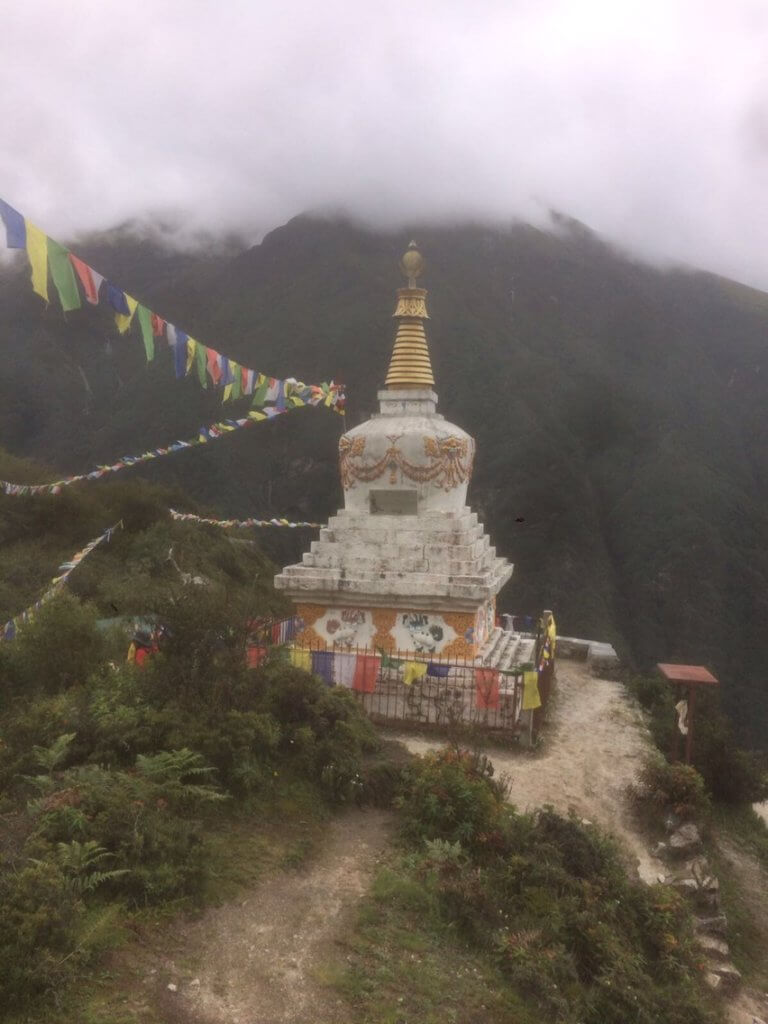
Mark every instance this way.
x=393 y=503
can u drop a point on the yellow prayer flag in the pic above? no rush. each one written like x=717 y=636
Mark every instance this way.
x=191 y=350
x=227 y=393
x=123 y=320
x=37 y=251
x=413 y=671
x=531 y=697
x=301 y=658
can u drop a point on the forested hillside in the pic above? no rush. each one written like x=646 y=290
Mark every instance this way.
x=619 y=410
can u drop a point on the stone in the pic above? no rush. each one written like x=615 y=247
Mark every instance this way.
x=714 y=981
x=172 y=987
x=700 y=869
x=685 y=841
x=717 y=925
x=729 y=976
x=671 y=822
x=715 y=948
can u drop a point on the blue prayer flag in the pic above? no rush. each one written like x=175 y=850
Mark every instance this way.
x=15 y=228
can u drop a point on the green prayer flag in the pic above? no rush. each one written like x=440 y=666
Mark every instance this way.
x=63 y=276
x=237 y=379
x=387 y=662
x=260 y=391
x=145 y=323
x=202 y=368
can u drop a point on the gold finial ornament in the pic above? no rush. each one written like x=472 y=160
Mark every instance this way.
x=410 y=366
x=412 y=264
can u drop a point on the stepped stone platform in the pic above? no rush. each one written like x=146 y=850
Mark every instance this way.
x=437 y=556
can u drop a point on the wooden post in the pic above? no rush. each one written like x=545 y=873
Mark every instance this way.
x=689 y=737
x=675 y=752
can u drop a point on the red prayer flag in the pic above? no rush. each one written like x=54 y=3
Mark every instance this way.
x=366 y=673
x=89 y=279
x=255 y=656
x=487 y=689
x=214 y=366
x=158 y=325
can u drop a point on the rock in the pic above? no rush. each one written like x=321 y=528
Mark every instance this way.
x=686 y=885
x=660 y=850
x=685 y=841
x=714 y=947
x=671 y=822
x=699 y=868
x=730 y=977
x=195 y=982
x=714 y=981
x=172 y=987
x=717 y=925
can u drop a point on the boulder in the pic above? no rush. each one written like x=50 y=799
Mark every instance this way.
x=717 y=925
x=730 y=977
x=685 y=841
x=715 y=948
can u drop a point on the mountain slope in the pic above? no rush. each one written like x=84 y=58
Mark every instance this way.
x=619 y=411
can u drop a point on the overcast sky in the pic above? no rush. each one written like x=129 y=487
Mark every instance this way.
x=648 y=120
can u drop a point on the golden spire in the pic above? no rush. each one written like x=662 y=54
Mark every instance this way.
x=410 y=366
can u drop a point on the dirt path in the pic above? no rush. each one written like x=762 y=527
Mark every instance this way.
x=750 y=1004
x=595 y=744
x=255 y=962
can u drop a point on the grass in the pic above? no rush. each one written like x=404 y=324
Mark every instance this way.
x=278 y=832
x=746 y=828
x=401 y=962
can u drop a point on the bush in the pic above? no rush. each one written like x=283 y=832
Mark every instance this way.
x=450 y=795
x=40 y=915
x=671 y=787
x=146 y=821
x=548 y=898
x=58 y=648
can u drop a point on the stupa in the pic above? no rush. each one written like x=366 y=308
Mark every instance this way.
x=405 y=565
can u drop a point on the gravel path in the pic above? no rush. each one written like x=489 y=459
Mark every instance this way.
x=595 y=742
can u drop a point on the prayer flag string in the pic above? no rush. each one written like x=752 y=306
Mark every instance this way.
x=204 y=435
x=8 y=631
x=67 y=270
x=189 y=517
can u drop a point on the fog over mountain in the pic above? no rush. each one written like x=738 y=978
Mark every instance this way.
x=646 y=120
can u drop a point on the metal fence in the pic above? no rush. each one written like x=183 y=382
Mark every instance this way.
x=400 y=686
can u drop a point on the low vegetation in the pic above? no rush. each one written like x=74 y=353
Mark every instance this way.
x=536 y=907
x=113 y=777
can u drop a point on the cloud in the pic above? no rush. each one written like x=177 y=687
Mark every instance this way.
x=647 y=120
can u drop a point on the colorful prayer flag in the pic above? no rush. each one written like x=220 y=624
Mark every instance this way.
x=531 y=696
x=116 y=299
x=487 y=689
x=301 y=658
x=147 y=334
x=15 y=228
x=37 y=250
x=367 y=669
x=322 y=665
x=63 y=276
x=413 y=671
x=89 y=279
x=123 y=320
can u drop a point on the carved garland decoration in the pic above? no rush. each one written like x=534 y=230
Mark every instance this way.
x=450 y=462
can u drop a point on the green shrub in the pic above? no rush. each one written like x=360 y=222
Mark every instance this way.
x=40 y=914
x=145 y=820
x=671 y=787
x=58 y=648
x=449 y=795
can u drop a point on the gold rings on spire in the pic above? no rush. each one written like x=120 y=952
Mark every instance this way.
x=410 y=366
